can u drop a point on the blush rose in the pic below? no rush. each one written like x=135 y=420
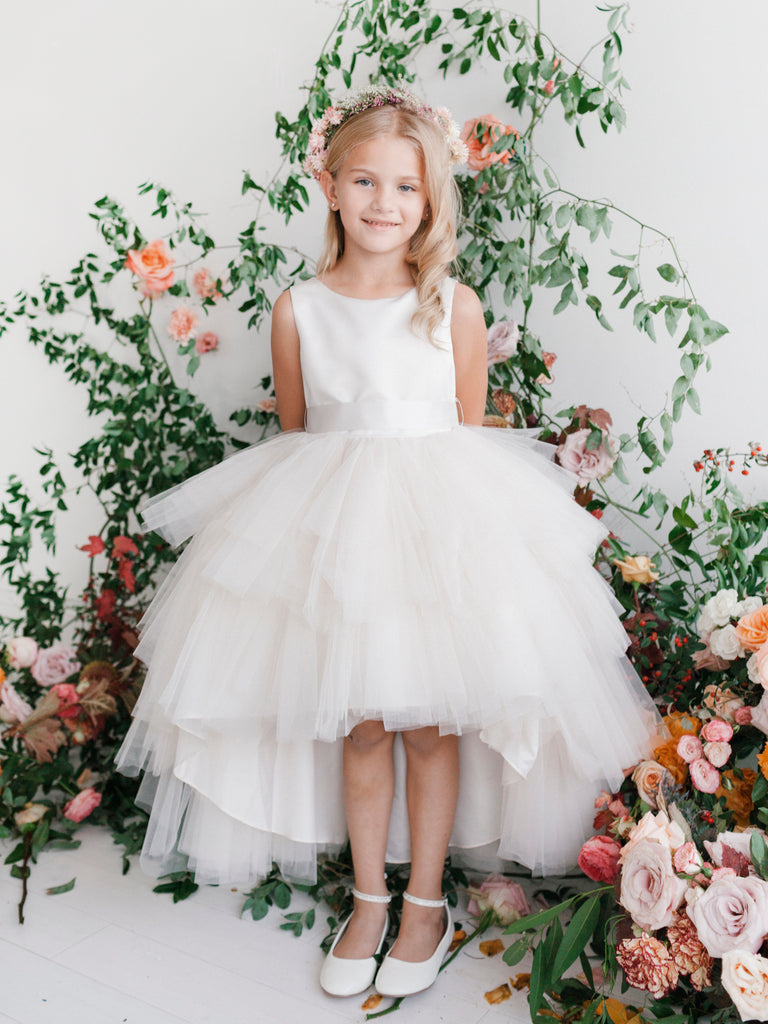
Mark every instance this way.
x=650 y=892
x=503 y=337
x=500 y=894
x=587 y=463
x=21 y=652
x=732 y=913
x=55 y=664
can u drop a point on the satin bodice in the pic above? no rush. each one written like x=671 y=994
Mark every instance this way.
x=364 y=368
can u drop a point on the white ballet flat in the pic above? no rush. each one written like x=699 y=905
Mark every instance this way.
x=342 y=977
x=404 y=978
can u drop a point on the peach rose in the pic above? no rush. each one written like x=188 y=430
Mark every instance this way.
x=79 y=807
x=549 y=359
x=207 y=342
x=732 y=913
x=183 y=324
x=705 y=658
x=503 y=338
x=55 y=664
x=722 y=701
x=752 y=629
x=745 y=979
x=687 y=859
x=657 y=827
x=479 y=135
x=637 y=569
x=648 y=776
x=650 y=891
x=761 y=662
x=599 y=858
x=647 y=965
x=501 y=895
x=154 y=266
x=587 y=463
x=704 y=776
x=21 y=652
x=267 y=405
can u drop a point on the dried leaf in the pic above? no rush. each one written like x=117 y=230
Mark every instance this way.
x=371 y=1002
x=498 y=995
x=733 y=859
x=44 y=708
x=43 y=738
x=458 y=937
x=97 y=701
x=520 y=981
x=491 y=947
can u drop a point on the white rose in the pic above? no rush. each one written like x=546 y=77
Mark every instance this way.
x=752 y=670
x=749 y=604
x=704 y=624
x=723 y=607
x=725 y=643
x=745 y=979
x=21 y=652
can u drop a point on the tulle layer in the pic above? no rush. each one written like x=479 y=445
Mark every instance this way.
x=335 y=577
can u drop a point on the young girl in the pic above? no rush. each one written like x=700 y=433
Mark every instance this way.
x=387 y=626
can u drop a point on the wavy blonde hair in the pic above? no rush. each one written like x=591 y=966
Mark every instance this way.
x=433 y=248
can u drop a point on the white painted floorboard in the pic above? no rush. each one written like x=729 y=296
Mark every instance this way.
x=111 y=951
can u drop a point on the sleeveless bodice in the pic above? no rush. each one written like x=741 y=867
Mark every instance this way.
x=363 y=367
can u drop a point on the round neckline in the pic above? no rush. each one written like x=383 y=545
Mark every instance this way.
x=355 y=298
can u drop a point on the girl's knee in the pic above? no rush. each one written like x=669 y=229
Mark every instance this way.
x=368 y=735
x=426 y=740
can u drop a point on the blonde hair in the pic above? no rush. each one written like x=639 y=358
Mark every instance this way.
x=433 y=248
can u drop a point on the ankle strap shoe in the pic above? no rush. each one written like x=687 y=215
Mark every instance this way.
x=404 y=978
x=344 y=977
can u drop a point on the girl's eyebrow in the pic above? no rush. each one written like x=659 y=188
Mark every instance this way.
x=364 y=170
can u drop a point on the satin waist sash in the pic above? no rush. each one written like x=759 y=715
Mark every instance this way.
x=383 y=416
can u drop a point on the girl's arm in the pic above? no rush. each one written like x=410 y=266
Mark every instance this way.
x=470 y=348
x=286 y=367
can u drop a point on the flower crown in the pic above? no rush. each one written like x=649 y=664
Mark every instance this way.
x=325 y=127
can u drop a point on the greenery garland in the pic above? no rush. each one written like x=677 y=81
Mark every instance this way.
x=524 y=235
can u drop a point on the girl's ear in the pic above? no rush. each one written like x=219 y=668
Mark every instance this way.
x=328 y=185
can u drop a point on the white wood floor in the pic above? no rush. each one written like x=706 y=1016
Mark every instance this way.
x=111 y=951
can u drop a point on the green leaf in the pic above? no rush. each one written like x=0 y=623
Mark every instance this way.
x=758 y=851
x=282 y=896
x=692 y=397
x=683 y=519
x=259 y=908
x=56 y=890
x=576 y=936
x=669 y=273
x=533 y=921
x=515 y=953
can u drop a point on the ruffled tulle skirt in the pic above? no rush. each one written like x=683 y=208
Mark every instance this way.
x=445 y=579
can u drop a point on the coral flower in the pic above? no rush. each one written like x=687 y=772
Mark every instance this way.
x=205 y=285
x=207 y=342
x=86 y=801
x=183 y=324
x=479 y=134
x=154 y=266
x=752 y=629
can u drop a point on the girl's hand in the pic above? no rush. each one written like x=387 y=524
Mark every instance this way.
x=286 y=365
x=470 y=353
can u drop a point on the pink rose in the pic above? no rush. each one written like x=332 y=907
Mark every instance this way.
x=647 y=964
x=717 y=753
x=687 y=859
x=717 y=731
x=183 y=323
x=13 y=707
x=207 y=342
x=743 y=716
x=599 y=858
x=732 y=913
x=651 y=892
x=503 y=337
x=587 y=463
x=154 y=265
x=505 y=897
x=704 y=776
x=205 y=285
x=760 y=714
x=86 y=801
x=55 y=664
x=21 y=652
x=689 y=747
x=658 y=827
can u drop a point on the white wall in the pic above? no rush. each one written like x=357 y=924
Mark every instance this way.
x=105 y=96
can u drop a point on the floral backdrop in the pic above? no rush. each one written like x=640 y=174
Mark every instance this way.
x=680 y=858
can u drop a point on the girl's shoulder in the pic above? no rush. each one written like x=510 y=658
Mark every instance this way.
x=466 y=305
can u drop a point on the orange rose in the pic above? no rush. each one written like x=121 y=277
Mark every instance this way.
x=154 y=265
x=739 y=798
x=752 y=629
x=667 y=756
x=681 y=724
x=479 y=134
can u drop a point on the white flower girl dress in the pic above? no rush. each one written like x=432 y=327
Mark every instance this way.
x=386 y=563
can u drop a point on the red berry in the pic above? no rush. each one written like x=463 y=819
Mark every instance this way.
x=745 y=472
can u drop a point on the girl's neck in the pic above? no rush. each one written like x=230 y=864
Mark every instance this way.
x=369 y=279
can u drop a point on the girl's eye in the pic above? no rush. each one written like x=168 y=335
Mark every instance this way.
x=409 y=188
x=363 y=181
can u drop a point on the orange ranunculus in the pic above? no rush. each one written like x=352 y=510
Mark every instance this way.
x=739 y=798
x=668 y=756
x=680 y=724
x=762 y=761
x=479 y=134
x=752 y=629
x=154 y=265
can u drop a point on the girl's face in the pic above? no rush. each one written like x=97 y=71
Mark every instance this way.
x=380 y=194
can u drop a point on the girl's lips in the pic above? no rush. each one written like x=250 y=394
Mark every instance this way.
x=380 y=224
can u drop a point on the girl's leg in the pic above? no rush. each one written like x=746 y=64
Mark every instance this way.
x=369 y=784
x=432 y=788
